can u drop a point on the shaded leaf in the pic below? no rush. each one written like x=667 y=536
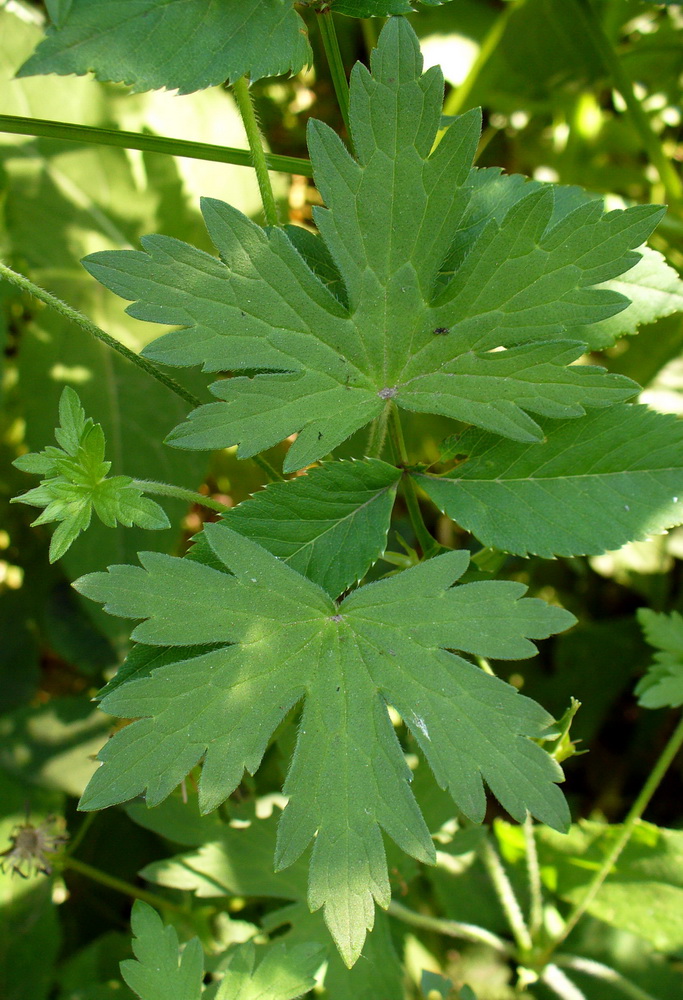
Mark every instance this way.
x=662 y=685
x=160 y=970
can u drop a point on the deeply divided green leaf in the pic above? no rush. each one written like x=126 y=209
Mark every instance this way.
x=449 y=306
x=387 y=642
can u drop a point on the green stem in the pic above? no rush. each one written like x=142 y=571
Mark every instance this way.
x=561 y=985
x=75 y=842
x=42 y=128
x=637 y=809
x=378 y=433
x=112 y=882
x=534 y=873
x=331 y=45
x=425 y=540
x=603 y=972
x=651 y=143
x=506 y=896
x=85 y=324
x=80 y=320
x=458 y=98
x=245 y=103
x=167 y=490
x=450 y=928
x=265 y=466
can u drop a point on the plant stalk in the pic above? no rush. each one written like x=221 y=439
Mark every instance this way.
x=506 y=896
x=668 y=175
x=330 y=41
x=86 y=324
x=561 y=985
x=603 y=972
x=179 y=493
x=450 y=928
x=534 y=873
x=459 y=96
x=245 y=103
x=21 y=281
x=46 y=129
x=637 y=809
x=112 y=882
x=425 y=540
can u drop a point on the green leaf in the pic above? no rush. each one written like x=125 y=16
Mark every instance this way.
x=594 y=484
x=662 y=685
x=282 y=974
x=161 y=971
x=330 y=525
x=644 y=892
x=432 y=982
x=386 y=642
x=431 y=347
x=380 y=8
x=77 y=482
x=655 y=290
x=221 y=41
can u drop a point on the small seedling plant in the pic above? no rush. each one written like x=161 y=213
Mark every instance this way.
x=426 y=286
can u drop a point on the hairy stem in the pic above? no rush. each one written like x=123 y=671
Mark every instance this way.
x=450 y=928
x=331 y=45
x=118 y=884
x=147 y=366
x=506 y=895
x=668 y=174
x=168 y=490
x=555 y=979
x=425 y=540
x=42 y=128
x=86 y=324
x=245 y=103
x=378 y=433
x=638 y=808
x=603 y=972
x=534 y=873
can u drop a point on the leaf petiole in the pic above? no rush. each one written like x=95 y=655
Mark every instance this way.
x=179 y=493
x=427 y=543
x=245 y=104
x=339 y=81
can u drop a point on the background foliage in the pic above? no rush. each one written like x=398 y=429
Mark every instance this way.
x=553 y=110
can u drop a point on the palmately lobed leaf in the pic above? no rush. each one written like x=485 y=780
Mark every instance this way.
x=74 y=482
x=450 y=305
x=286 y=640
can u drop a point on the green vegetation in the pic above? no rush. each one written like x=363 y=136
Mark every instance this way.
x=378 y=713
